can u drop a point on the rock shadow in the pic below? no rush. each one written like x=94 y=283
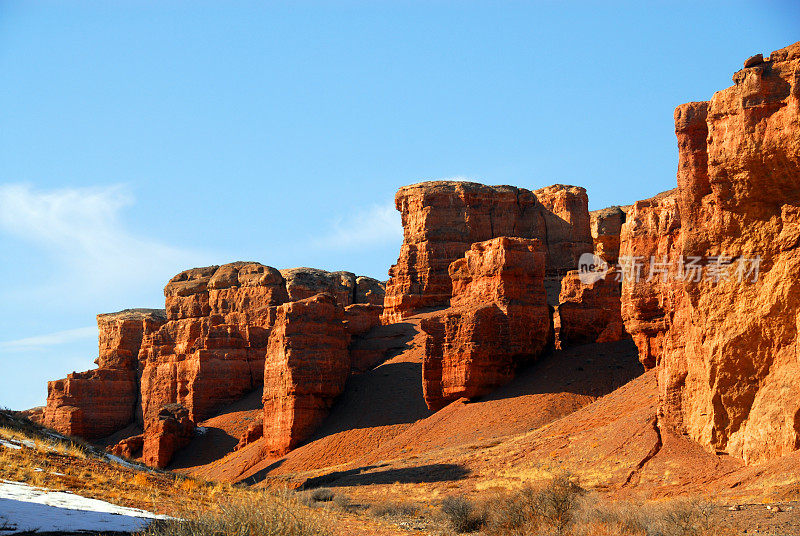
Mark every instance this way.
x=364 y=476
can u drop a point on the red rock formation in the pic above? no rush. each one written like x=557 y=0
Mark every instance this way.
x=498 y=320
x=171 y=430
x=370 y=291
x=253 y=433
x=120 y=336
x=212 y=349
x=442 y=219
x=359 y=318
x=130 y=447
x=99 y=402
x=588 y=312
x=302 y=283
x=91 y=404
x=651 y=232
x=306 y=368
x=606 y=226
x=727 y=350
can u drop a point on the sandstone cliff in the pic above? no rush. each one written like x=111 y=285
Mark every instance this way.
x=442 y=219
x=727 y=345
x=497 y=322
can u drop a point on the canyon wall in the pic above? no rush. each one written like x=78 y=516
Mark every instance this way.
x=726 y=343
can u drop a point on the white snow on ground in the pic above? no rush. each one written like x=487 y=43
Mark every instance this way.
x=120 y=461
x=17 y=444
x=26 y=508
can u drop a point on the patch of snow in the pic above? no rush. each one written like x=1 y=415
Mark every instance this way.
x=124 y=463
x=24 y=508
x=10 y=444
x=17 y=444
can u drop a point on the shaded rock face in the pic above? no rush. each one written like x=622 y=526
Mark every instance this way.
x=651 y=232
x=498 y=320
x=588 y=312
x=442 y=219
x=606 y=226
x=727 y=350
x=170 y=431
x=96 y=403
x=306 y=368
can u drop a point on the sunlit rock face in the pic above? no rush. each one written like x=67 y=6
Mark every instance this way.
x=727 y=350
x=442 y=219
x=498 y=321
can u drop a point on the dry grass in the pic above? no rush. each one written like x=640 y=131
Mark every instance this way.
x=561 y=507
x=248 y=513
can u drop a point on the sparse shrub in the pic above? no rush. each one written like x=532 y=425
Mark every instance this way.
x=322 y=495
x=259 y=514
x=552 y=507
x=395 y=510
x=461 y=514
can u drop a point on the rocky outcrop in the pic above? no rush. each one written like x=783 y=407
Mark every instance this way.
x=130 y=447
x=212 y=349
x=170 y=431
x=306 y=368
x=98 y=402
x=370 y=291
x=442 y=219
x=253 y=433
x=92 y=404
x=498 y=320
x=120 y=336
x=650 y=289
x=726 y=343
x=588 y=312
x=606 y=227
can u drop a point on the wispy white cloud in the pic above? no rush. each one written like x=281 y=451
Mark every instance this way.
x=81 y=230
x=376 y=225
x=50 y=339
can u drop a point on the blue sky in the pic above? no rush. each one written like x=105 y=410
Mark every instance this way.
x=138 y=139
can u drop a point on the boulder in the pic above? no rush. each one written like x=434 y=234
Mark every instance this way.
x=442 y=219
x=130 y=447
x=306 y=368
x=170 y=431
x=498 y=320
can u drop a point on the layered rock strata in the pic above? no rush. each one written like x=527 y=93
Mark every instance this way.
x=589 y=312
x=726 y=343
x=99 y=402
x=498 y=320
x=306 y=368
x=442 y=219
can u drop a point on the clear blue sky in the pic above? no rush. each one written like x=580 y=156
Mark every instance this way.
x=138 y=139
